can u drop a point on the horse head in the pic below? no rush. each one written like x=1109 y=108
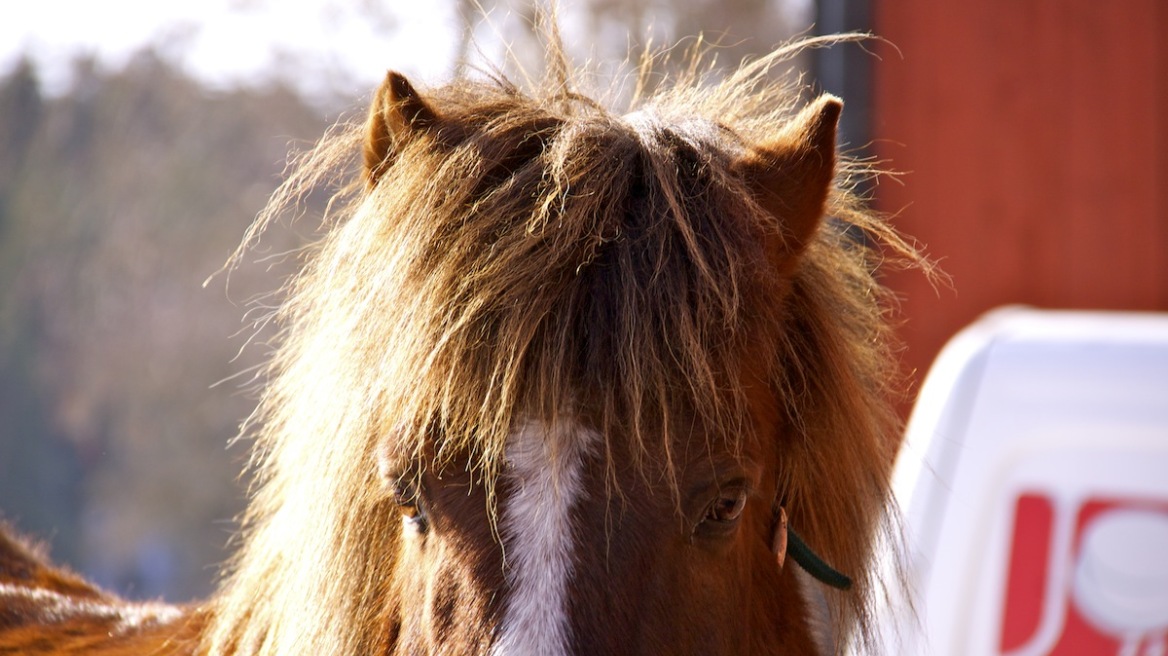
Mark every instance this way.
x=565 y=380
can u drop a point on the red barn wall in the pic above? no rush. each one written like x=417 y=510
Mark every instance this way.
x=1032 y=135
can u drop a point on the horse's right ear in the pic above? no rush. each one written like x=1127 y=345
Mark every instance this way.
x=791 y=176
x=397 y=115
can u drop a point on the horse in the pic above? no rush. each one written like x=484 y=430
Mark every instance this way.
x=555 y=379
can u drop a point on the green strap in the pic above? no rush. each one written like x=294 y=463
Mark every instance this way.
x=813 y=564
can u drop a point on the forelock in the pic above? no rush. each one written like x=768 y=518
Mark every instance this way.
x=544 y=254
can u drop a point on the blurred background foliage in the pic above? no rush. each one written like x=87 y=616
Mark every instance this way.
x=117 y=200
x=118 y=197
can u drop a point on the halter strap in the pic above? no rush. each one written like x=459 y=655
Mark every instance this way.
x=785 y=541
x=814 y=565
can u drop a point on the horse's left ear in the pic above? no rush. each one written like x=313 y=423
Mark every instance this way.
x=791 y=175
x=397 y=115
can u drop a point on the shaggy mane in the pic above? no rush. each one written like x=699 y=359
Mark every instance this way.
x=545 y=256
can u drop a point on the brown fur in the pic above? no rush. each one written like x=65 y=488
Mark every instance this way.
x=512 y=256
x=47 y=610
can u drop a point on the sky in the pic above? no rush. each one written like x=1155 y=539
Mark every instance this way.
x=228 y=42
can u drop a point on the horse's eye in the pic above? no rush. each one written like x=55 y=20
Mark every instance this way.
x=405 y=495
x=727 y=507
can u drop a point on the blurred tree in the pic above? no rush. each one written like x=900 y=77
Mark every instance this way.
x=741 y=28
x=21 y=106
x=610 y=31
x=119 y=198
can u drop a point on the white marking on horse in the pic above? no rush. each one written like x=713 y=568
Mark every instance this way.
x=538 y=544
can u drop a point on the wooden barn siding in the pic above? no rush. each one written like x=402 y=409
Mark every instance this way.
x=1033 y=136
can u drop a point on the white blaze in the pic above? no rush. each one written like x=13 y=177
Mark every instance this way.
x=545 y=474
